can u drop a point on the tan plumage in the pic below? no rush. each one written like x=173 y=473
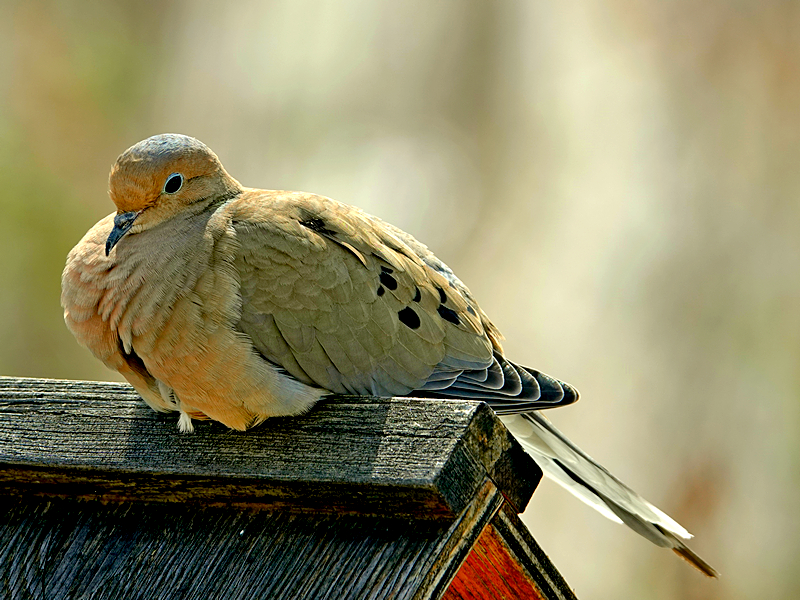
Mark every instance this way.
x=236 y=304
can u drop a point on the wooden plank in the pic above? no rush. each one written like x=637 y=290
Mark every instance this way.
x=490 y=573
x=62 y=549
x=530 y=556
x=508 y=465
x=398 y=456
x=507 y=563
x=458 y=543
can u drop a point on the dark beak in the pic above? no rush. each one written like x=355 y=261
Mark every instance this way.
x=122 y=224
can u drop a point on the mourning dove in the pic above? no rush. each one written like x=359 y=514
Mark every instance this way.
x=237 y=304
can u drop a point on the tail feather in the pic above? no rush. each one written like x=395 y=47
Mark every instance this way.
x=570 y=467
x=698 y=563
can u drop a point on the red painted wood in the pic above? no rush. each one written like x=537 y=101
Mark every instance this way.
x=491 y=573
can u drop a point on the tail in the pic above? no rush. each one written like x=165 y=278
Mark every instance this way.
x=570 y=467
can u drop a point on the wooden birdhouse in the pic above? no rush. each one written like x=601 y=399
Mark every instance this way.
x=361 y=498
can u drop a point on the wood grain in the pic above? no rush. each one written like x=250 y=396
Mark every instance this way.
x=404 y=456
x=361 y=498
x=507 y=563
x=61 y=549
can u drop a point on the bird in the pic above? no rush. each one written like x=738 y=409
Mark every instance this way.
x=219 y=301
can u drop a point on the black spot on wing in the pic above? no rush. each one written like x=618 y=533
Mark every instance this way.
x=380 y=290
x=409 y=318
x=317 y=225
x=448 y=314
x=471 y=311
x=385 y=269
x=387 y=280
x=442 y=295
x=417 y=294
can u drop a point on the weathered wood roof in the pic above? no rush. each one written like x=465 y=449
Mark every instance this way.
x=361 y=498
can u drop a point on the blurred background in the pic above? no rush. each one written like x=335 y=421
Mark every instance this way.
x=617 y=182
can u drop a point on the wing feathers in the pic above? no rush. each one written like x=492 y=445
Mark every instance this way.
x=354 y=304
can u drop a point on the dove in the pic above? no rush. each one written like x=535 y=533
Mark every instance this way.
x=219 y=301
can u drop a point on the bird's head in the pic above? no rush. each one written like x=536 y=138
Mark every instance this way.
x=161 y=176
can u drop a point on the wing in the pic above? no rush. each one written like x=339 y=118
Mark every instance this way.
x=346 y=302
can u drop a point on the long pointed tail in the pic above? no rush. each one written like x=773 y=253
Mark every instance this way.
x=570 y=467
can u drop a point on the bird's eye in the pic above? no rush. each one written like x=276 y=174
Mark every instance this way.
x=173 y=184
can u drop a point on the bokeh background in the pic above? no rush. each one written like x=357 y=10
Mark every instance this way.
x=616 y=180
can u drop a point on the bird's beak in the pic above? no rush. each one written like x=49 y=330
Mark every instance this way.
x=122 y=224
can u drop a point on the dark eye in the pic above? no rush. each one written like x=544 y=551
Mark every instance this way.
x=173 y=184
